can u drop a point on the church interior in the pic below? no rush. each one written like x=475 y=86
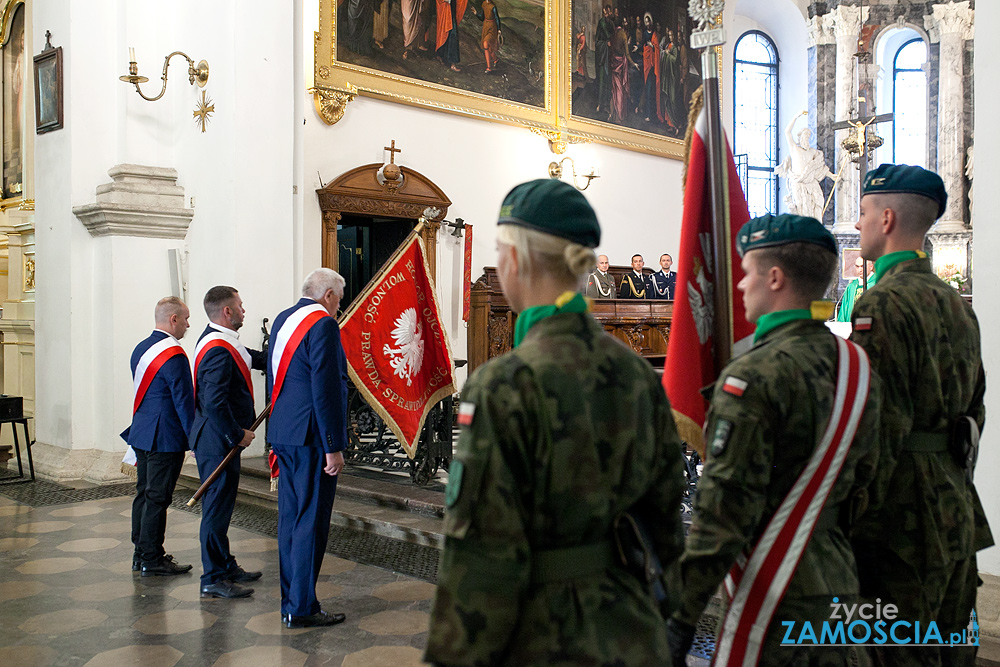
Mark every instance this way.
x=296 y=140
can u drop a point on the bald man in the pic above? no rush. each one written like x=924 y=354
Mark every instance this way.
x=600 y=283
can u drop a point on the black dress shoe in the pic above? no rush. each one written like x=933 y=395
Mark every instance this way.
x=319 y=619
x=164 y=567
x=225 y=589
x=137 y=561
x=239 y=575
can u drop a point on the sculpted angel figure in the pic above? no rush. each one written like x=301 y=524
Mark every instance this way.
x=804 y=169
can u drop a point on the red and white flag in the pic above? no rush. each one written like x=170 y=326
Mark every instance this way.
x=398 y=354
x=691 y=363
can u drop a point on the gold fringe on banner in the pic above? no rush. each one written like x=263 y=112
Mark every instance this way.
x=697 y=102
x=690 y=433
x=274 y=484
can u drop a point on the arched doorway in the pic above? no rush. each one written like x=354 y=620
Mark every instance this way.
x=366 y=217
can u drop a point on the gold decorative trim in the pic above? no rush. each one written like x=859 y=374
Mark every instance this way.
x=8 y=13
x=331 y=104
x=13 y=202
x=29 y=273
x=26 y=205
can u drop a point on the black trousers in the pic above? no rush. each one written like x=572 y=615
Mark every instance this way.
x=157 y=474
x=216 y=513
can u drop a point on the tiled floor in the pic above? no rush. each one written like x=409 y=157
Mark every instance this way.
x=68 y=597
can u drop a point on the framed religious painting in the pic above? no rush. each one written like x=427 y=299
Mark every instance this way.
x=12 y=62
x=631 y=74
x=48 y=90
x=491 y=59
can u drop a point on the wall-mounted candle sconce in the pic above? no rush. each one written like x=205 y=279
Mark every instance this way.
x=196 y=73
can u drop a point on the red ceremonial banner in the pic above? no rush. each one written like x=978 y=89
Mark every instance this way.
x=467 y=274
x=398 y=354
x=690 y=363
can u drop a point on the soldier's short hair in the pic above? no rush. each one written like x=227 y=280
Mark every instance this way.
x=809 y=268
x=218 y=298
x=915 y=213
x=167 y=306
x=319 y=281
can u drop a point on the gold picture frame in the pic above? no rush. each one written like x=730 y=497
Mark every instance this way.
x=339 y=74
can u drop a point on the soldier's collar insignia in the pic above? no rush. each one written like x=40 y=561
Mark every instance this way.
x=863 y=323
x=723 y=429
x=821 y=310
x=735 y=386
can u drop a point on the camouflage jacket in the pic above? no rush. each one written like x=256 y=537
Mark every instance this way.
x=568 y=430
x=923 y=340
x=758 y=445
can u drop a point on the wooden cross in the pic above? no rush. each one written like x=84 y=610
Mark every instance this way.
x=392 y=151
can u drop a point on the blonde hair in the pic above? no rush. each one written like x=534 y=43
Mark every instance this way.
x=166 y=307
x=539 y=253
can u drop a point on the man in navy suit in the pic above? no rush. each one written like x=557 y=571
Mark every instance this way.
x=161 y=418
x=307 y=376
x=664 y=280
x=224 y=410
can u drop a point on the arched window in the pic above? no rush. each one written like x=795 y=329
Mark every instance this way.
x=902 y=89
x=755 y=114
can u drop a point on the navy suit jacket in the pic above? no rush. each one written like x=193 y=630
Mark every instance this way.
x=664 y=284
x=163 y=420
x=631 y=282
x=311 y=409
x=223 y=404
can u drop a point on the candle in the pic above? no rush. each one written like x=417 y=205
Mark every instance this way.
x=131 y=54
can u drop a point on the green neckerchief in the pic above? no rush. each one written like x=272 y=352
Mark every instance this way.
x=886 y=262
x=568 y=302
x=818 y=310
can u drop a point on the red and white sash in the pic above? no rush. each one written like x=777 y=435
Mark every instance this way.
x=757 y=584
x=238 y=352
x=287 y=340
x=149 y=365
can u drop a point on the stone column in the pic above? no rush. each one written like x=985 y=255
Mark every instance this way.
x=18 y=322
x=951 y=24
x=822 y=57
x=846 y=27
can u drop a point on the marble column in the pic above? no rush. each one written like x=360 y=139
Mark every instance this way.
x=951 y=24
x=822 y=57
x=847 y=22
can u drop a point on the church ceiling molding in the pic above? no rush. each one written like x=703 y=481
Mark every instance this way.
x=140 y=201
x=540 y=67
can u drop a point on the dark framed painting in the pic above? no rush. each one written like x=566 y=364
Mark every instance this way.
x=48 y=90
x=13 y=60
x=631 y=72
x=488 y=58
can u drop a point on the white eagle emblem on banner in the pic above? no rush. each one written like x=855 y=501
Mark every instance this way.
x=407 y=357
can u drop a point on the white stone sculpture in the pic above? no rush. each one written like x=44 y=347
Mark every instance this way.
x=804 y=169
x=969 y=173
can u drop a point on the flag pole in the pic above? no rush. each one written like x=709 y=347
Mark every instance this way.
x=722 y=333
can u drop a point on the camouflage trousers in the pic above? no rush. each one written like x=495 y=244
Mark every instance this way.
x=943 y=594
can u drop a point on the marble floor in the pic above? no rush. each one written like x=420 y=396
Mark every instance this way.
x=68 y=597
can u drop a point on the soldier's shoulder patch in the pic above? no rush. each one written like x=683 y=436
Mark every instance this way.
x=466 y=412
x=734 y=385
x=720 y=439
x=454 y=488
x=863 y=323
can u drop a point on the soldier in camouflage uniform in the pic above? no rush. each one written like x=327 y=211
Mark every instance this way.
x=558 y=437
x=918 y=551
x=769 y=409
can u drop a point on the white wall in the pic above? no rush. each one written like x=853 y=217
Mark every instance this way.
x=96 y=296
x=637 y=197
x=987 y=240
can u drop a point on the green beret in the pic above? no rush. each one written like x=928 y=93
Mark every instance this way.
x=551 y=206
x=769 y=231
x=904 y=178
